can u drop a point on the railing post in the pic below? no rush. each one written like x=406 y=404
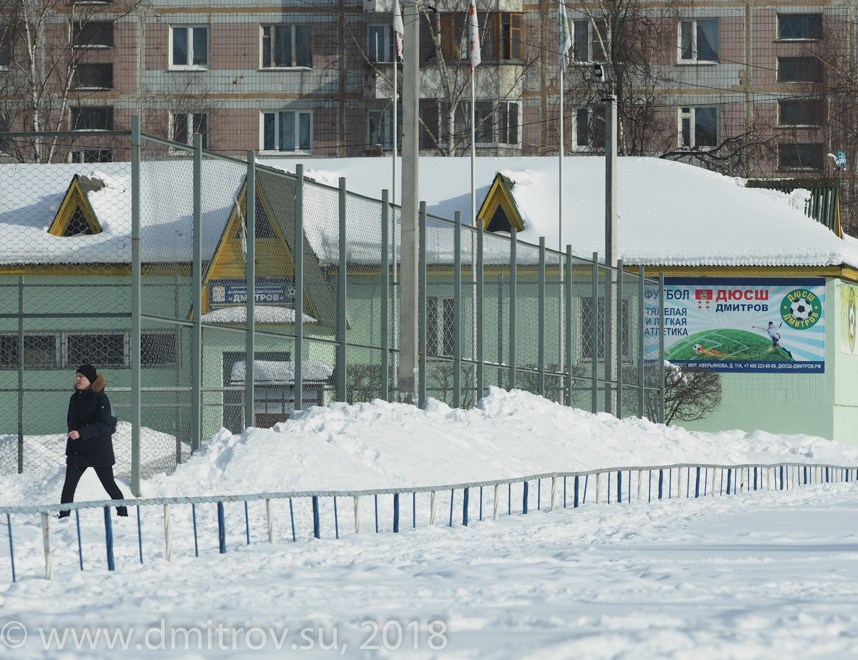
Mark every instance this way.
x=46 y=545
x=396 y=513
x=108 y=539
x=465 y=501
x=269 y=518
x=524 y=497
x=221 y=529
x=316 y=531
x=11 y=546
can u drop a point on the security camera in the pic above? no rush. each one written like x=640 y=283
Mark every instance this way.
x=598 y=72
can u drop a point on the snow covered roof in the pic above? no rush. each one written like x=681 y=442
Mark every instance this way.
x=281 y=372
x=669 y=214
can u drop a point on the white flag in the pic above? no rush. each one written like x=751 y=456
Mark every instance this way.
x=565 y=36
x=473 y=35
x=398 y=29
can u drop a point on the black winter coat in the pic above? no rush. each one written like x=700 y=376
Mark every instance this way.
x=89 y=415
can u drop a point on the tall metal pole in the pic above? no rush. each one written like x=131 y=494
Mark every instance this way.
x=250 y=303
x=197 y=288
x=612 y=360
x=136 y=295
x=408 y=366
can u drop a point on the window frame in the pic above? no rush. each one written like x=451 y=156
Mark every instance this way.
x=190 y=30
x=488 y=117
x=191 y=124
x=690 y=113
x=80 y=156
x=804 y=15
x=811 y=166
x=798 y=69
x=592 y=142
x=276 y=138
x=383 y=118
x=695 y=30
x=80 y=27
x=104 y=69
x=6 y=49
x=294 y=57
x=594 y=47
x=585 y=337
x=76 y=111
x=801 y=102
x=387 y=47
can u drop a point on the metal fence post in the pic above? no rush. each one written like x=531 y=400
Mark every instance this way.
x=421 y=307
x=619 y=339
x=641 y=346
x=20 y=374
x=540 y=350
x=480 y=319
x=341 y=298
x=298 y=276
x=661 y=347
x=385 y=296
x=197 y=289
x=568 y=329
x=513 y=276
x=594 y=338
x=457 y=311
x=136 y=297
x=250 y=275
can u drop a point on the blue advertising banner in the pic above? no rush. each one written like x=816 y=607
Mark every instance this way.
x=738 y=325
x=228 y=293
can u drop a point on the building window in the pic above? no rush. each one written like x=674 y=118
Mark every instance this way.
x=587 y=44
x=381 y=128
x=92 y=34
x=40 y=351
x=799 y=69
x=587 y=323
x=800 y=112
x=800 y=27
x=159 y=349
x=698 y=40
x=800 y=156
x=287 y=130
x=440 y=325
x=500 y=37
x=698 y=127
x=5 y=47
x=5 y=127
x=495 y=122
x=105 y=349
x=183 y=125
x=380 y=46
x=589 y=129
x=91 y=156
x=92 y=119
x=93 y=76
x=287 y=46
x=189 y=47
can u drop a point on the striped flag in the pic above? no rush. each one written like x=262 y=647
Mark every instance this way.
x=398 y=29
x=473 y=35
x=565 y=36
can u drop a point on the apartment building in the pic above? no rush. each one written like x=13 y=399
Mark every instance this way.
x=758 y=90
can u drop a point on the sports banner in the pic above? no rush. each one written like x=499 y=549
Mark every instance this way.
x=741 y=325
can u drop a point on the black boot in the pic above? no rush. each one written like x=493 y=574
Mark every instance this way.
x=122 y=511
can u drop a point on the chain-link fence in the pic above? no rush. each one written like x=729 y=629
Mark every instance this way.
x=169 y=271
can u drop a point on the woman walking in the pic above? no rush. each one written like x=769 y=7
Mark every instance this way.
x=89 y=441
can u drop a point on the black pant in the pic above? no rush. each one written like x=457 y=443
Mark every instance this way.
x=105 y=476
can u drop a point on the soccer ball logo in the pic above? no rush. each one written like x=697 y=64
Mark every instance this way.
x=801 y=309
x=697 y=348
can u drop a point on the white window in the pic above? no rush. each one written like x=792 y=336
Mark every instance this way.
x=698 y=40
x=287 y=46
x=588 y=322
x=183 y=125
x=287 y=130
x=440 y=325
x=589 y=129
x=587 y=43
x=189 y=47
x=496 y=122
x=698 y=127
x=800 y=27
x=380 y=46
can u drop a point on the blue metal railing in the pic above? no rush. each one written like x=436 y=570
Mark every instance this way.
x=605 y=485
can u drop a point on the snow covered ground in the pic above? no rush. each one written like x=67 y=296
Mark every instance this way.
x=753 y=575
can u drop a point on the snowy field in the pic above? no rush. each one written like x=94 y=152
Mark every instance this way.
x=753 y=575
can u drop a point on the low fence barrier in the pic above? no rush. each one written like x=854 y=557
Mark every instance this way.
x=317 y=514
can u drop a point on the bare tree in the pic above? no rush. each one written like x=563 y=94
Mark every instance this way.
x=47 y=42
x=689 y=394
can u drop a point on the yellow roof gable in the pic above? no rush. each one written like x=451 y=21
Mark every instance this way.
x=499 y=211
x=75 y=217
